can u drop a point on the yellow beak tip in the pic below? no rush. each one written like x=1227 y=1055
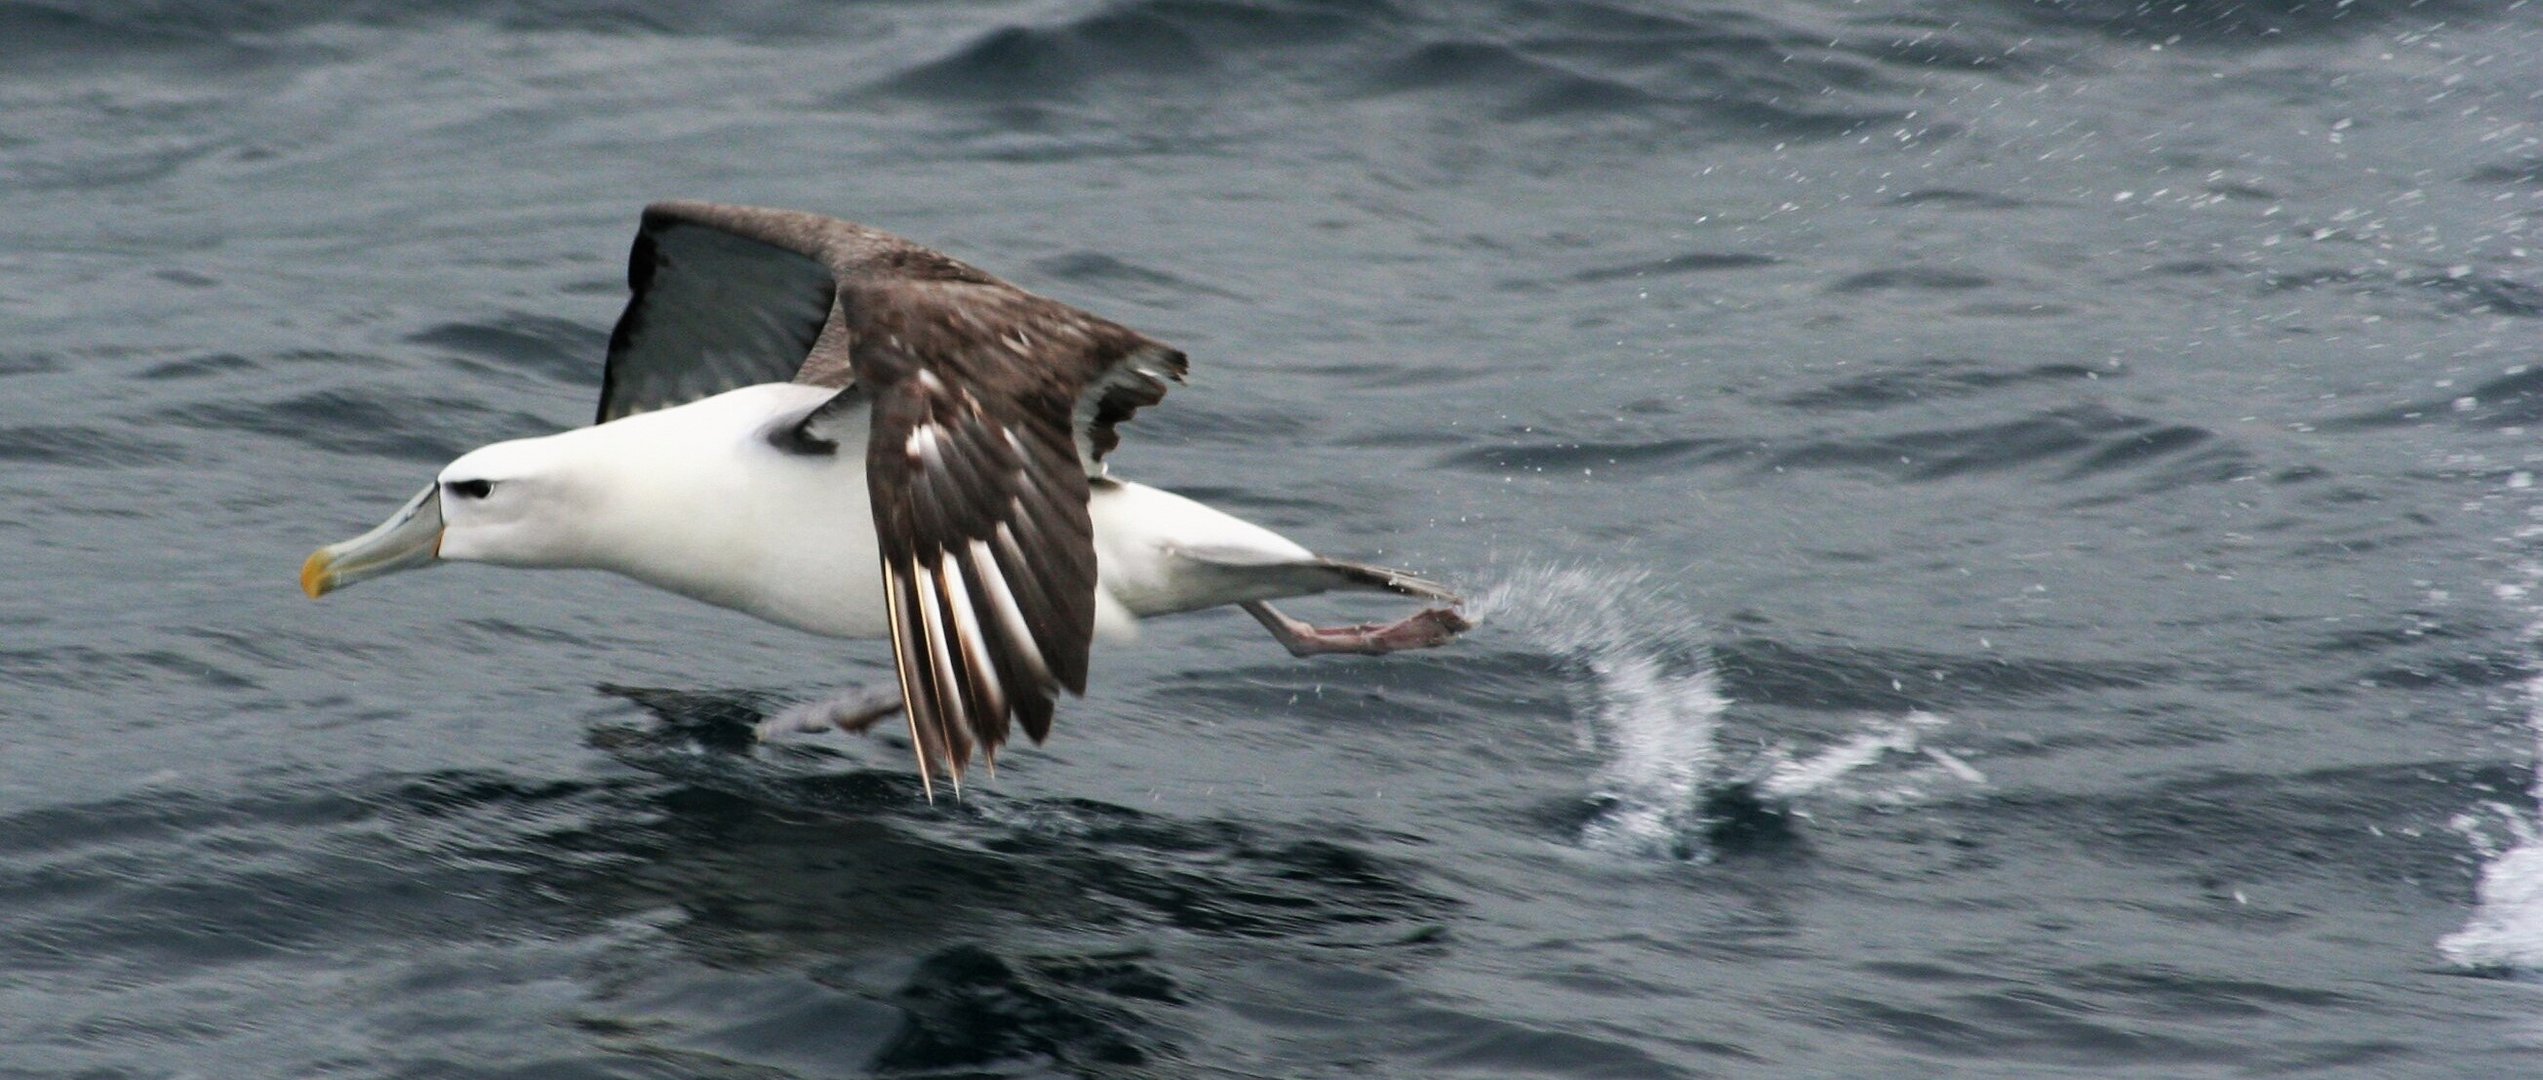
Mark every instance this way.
x=317 y=576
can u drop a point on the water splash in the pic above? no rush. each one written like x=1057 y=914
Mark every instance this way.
x=1651 y=705
x=2506 y=928
x=1782 y=774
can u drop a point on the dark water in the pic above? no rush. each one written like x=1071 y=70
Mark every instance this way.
x=2007 y=533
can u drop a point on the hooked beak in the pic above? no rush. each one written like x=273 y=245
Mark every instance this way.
x=408 y=539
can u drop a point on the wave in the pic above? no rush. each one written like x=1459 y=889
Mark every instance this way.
x=407 y=425
x=2072 y=443
x=561 y=350
x=2244 y=22
x=60 y=444
x=2514 y=399
x=1930 y=379
x=2086 y=439
x=235 y=32
x=673 y=909
x=1207 y=64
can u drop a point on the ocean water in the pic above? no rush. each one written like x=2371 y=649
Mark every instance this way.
x=2006 y=534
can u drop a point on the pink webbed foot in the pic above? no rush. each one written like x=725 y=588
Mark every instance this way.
x=1423 y=629
x=851 y=712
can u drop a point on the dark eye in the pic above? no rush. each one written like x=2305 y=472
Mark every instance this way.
x=470 y=489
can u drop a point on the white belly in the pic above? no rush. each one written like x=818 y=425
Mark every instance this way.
x=789 y=538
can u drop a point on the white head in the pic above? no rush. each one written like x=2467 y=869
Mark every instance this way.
x=528 y=502
x=694 y=499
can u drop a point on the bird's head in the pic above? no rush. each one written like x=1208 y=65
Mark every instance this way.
x=515 y=503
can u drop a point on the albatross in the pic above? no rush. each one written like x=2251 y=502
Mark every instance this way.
x=838 y=430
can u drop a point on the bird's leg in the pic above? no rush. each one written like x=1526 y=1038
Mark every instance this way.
x=1420 y=630
x=851 y=712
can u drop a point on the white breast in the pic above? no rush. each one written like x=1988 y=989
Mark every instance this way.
x=710 y=509
x=698 y=501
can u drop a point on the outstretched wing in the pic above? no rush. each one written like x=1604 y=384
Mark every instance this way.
x=711 y=310
x=988 y=405
x=990 y=409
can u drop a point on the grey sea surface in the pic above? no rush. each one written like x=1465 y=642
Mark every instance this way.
x=2006 y=537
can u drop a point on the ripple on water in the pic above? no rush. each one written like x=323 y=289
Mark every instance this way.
x=561 y=350
x=56 y=444
x=2087 y=439
x=398 y=424
x=1150 y=64
x=1929 y=380
x=959 y=936
x=2077 y=444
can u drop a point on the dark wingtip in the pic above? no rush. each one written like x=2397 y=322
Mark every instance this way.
x=1071 y=671
x=1034 y=713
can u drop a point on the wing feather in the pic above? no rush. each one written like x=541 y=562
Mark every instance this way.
x=1000 y=601
x=950 y=699
x=918 y=693
x=978 y=668
x=979 y=672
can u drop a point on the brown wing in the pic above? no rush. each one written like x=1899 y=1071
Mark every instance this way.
x=990 y=409
x=984 y=397
x=722 y=296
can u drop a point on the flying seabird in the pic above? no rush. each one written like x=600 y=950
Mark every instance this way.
x=835 y=429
